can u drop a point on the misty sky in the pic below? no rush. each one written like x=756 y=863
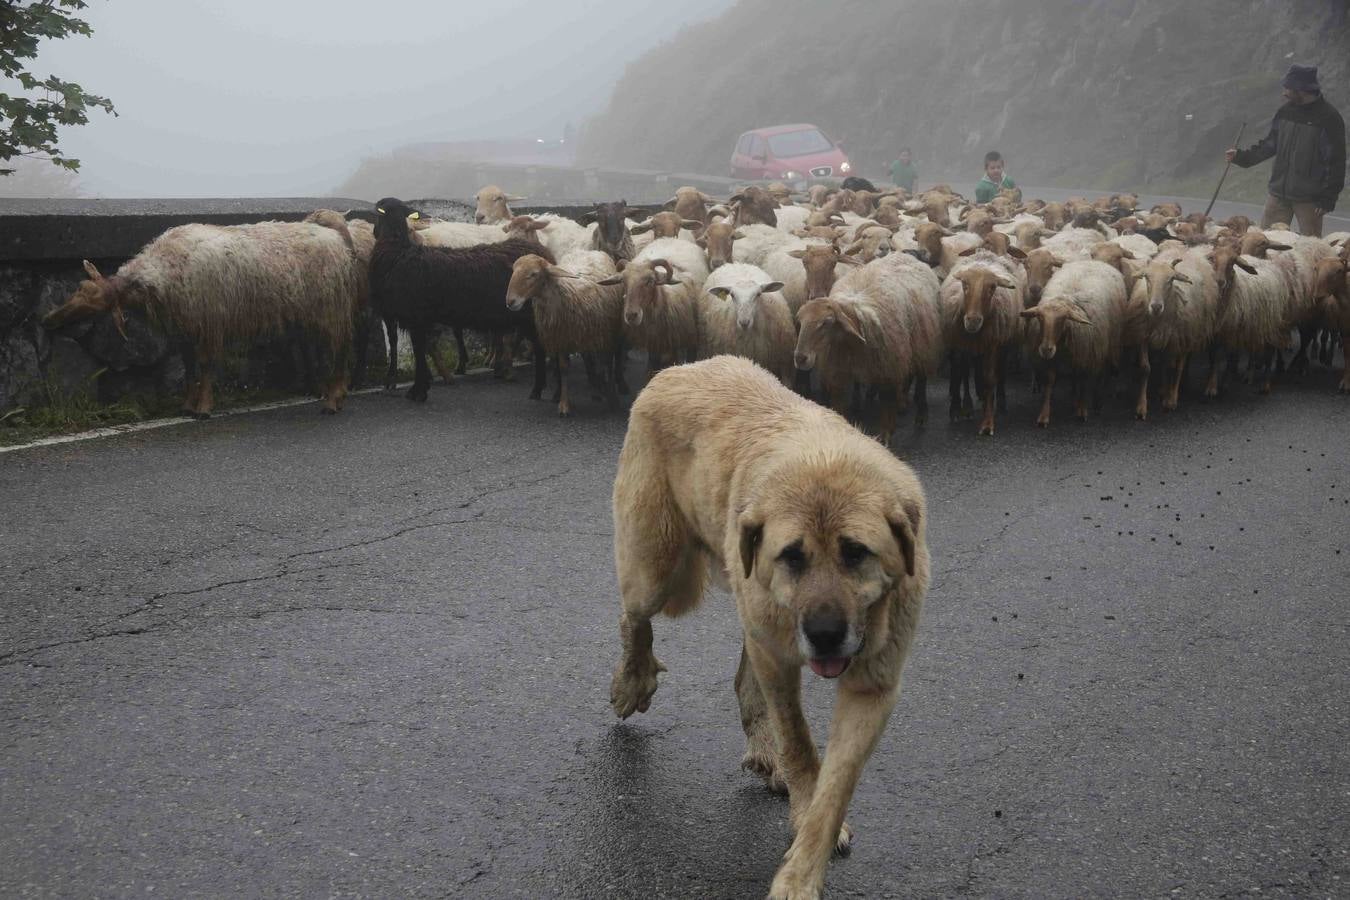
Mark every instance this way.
x=269 y=97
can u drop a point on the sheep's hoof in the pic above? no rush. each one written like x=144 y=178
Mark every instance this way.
x=564 y=413
x=1141 y=414
x=987 y=429
x=1042 y=423
x=327 y=411
x=417 y=394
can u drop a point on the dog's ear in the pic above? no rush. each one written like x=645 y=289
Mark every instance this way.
x=752 y=533
x=904 y=522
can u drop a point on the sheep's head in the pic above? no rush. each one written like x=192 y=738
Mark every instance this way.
x=979 y=221
x=1237 y=224
x=1118 y=258
x=665 y=225
x=817 y=194
x=1053 y=318
x=1040 y=266
x=929 y=235
x=823 y=322
x=609 y=220
x=526 y=228
x=1169 y=209
x=824 y=218
x=999 y=244
x=754 y=205
x=690 y=203
x=716 y=240
x=1127 y=225
x=394 y=219
x=1330 y=282
x=746 y=297
x=1160 y=276
x=888 y=216
x=1028 y=235
x=1226 y=257
x=1255 y=243
x=1055 y=215
x=93 y=296
x=780 y=192
x=819 y=262
x=870 y=242
x=529 y=274
x=863 y=202
x=642 y=281
x=492 y=205
x=978 y=285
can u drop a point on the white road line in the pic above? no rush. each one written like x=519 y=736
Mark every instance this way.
x=150 y=425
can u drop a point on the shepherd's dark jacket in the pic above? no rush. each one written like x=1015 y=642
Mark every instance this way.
x=1308 y=143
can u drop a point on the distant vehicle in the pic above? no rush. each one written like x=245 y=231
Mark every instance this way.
x=791 y=153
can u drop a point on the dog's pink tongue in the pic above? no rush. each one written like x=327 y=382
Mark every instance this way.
x=829 y=668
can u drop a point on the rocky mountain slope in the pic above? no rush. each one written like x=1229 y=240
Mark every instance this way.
x=1144 y=94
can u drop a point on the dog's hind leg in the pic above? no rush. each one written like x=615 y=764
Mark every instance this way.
x=662 y=568
x=761 y=754
x=859 y=718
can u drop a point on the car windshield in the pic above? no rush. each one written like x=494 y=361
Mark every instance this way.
x=799 y=143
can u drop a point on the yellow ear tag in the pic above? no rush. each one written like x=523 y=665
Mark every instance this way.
x=415 y=216
x=378 y=210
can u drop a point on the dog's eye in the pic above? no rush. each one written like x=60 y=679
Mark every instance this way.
x=852 y=552
x=794 y=557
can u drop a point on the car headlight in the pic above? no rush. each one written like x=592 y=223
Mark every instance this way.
x=846 y=168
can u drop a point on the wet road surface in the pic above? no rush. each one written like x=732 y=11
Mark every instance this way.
x=289 y=655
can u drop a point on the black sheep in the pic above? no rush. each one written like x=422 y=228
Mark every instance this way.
x=418 y=287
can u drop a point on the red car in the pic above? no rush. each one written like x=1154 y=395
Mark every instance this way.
x=790 y=153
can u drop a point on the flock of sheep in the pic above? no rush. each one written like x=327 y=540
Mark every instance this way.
x=867 y=292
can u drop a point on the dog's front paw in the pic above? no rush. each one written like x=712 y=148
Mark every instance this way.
x=843 y=845
x=788 y=886
x=633 y=685
x=764 y=764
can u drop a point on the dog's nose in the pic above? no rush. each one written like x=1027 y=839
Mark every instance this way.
x=826 y=629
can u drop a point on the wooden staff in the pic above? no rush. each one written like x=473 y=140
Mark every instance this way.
x=1237 y=140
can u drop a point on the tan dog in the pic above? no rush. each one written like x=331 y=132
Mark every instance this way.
x=820 y=532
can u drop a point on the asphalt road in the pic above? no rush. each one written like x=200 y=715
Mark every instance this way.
x=289 y=655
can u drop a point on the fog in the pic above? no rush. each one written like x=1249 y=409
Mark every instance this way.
x=283 y=97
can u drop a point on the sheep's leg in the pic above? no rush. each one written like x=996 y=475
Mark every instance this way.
x=1344 y=386
x=619 y=363
x=391 y=334
x=890 y=403
x=959 y=365
x=1328 y=345
x=1212 y=384
x=421 y=372
x=205 y=401
x=920 y=400
x=557 y=379
x=462 y=365
x=1174 y=389
x=506 y=362
x=190 y=378
x=1048 y=386
x=990 y=390
x=436 y=350
x=1307 y=335
x=564 y=403
x=307 y=367
x=1270 y=369
x=967 y=402
x=1003 y=379
x=361 y=336
x=1141 y=404
x=1080 y=392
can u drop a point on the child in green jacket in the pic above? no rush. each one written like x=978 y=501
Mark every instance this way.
x=903 y=171
x=994 y=180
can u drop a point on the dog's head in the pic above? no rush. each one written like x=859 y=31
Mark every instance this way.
x=827 y=538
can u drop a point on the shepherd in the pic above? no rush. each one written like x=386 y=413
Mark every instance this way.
x=1307 y=139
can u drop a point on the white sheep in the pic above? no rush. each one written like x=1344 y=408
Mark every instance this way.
x=1077 y=325
x=978 y=307
x=457 y=235
x=1073 y=243
x=1253 y=309
x=755 y=242
x=661 y=286
x=742 y=312
x=573 y=312
x=878 y=327
x=1172 y=309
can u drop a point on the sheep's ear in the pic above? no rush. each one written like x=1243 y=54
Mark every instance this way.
x=691 y=224
x=587 y=218
x=1128 y=255
x=1005 y=283
x=620 y=264
x=849 y=323
x=1182 y=278
x=1015 y=253
x=1076 y=314
x=506 y=227
x=850 y=261
x=514 y=199
x=772 y=287
x=946 y=232
x=560 y=272
x=92 y=271
x=1279 y=247
x=737 y=235
x=611 y=280
x=701 y=241
x=854 y=249
x=669 y=204
x=1245 y=266
x=1030 y=313
x=720 y=291
x=642 y=228
x=971 y=251
x=752 y=534
x=795 y=254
